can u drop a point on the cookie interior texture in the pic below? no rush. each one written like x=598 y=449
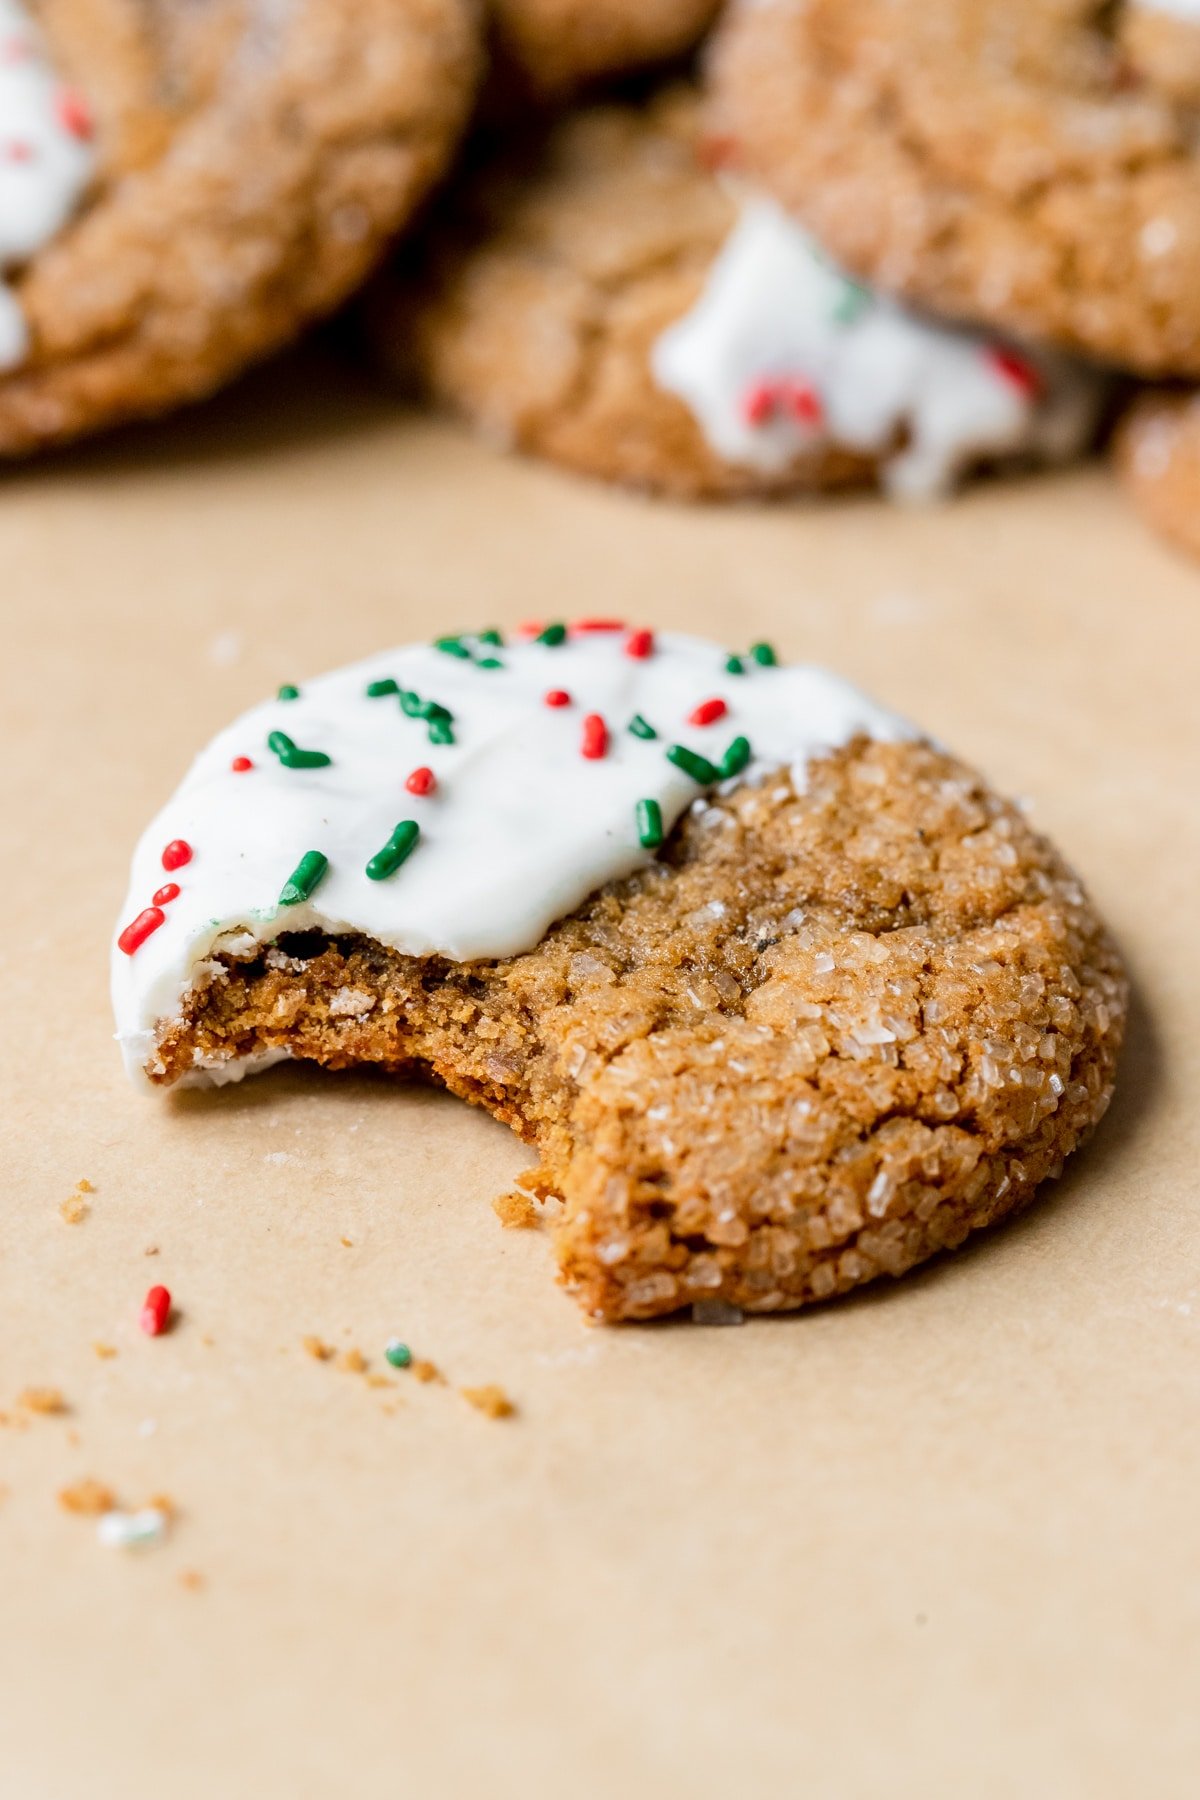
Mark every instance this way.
x=553 y=48
x=542 y=297
x=1026 y=167
x=826 y=1035
x=253 y=161
x=1158 y=455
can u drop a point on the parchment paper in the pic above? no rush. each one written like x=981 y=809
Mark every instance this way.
x=939 y=1540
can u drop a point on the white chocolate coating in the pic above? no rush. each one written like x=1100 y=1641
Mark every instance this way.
x=46 y=160
x=519 y=830
x=927 y=398
x=1179 y=9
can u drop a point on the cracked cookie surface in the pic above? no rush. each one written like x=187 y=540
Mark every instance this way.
x=825 y=1035
x=1032 y=168
x=252 y=162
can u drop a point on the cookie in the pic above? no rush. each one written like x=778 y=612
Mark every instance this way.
x=553 y=48
x=201 y=182
x=1158 y=456
x=784 y=997
x=605 y=301
x=1007 y=165
x=1161 y=39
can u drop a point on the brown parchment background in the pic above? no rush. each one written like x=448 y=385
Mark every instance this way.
x=940 y=1540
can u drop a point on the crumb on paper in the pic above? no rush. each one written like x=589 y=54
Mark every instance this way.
x=516 y=1211
x=317 y=1348
x=75 y=1209
x=490 y=1400
x=347 y=1243
x=104 y=1351
x=424 y=1370
x=87 y=1497
x=353 y=1361
x=164 y=1504
x=150 y=1250
x=379 y=1380
x=207 y=1339
x=192 y=1580
x=44 y=1400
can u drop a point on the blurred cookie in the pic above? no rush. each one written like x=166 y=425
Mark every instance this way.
x=555 y=47
x=182 y=188
x=1158 y=455
x=785 y=998
x=1161 y=39
x=1013 y=166
x=604 y=301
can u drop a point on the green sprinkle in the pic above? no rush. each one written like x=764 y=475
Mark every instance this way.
x=411 y=704
x=377 y=689
x=734 y=665
x=303 y=878
x=852 y=301
x=453 y=646
x=398 y=1354
x=440 y=731
x=491 y=636
x=489 y=662
x=552 y=635
x=305 y=759
x=288 y=692
x=640 y=728
x=291 y=758
x=735 y=758
x=400 y=845
x=764 y=655
x=432 y=709
x=649 y=824
x=698 y=767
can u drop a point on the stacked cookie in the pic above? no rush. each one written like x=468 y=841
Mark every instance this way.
x=889 y=241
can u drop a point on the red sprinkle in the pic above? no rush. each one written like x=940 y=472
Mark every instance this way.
x=74 y=113
x=708 y=712
x=421 y=781
x=156 y=1308
x=558 y=697
x=240 y=764
x=530 y=627
x=168 y=892
x=177 y=852
x=595 y=736
x=758 y=403
x=135 y=935
x=803 y=402
x=639 y=644
x=1016 y=369
x=598 y=625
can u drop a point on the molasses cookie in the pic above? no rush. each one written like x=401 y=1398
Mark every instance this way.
x=784 y=997
x=183 y=187
x=604 y=300
x=1028 y=168
x=1158 y=455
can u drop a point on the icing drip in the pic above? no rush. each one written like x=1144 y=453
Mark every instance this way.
x=284 y=822
x=782 y=355
x=1179 y=9
x=46 y=160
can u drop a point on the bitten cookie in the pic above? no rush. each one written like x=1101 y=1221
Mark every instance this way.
x=604 y=301
x=1158 y=456
x=183 y=187
x=553 y=48
x=784 y=997
x=1024 y=167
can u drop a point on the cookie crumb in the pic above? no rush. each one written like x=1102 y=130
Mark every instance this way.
x=192 y=1580
x=317 y=1349
x=380 y=1381
x=490 y=1400
x=426 y=1371
x=347 y=1243
x=150 y=1250
x=353 y=1361
x=516 y=1211
x=84 y=1186
x=87 y=1497
x=74 y=1209
x=104 y=1351
x=45 y=1400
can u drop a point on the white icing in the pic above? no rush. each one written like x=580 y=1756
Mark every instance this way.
x=927 y=398
x=520 y=829
x=45 y=159
x=1179 y=9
